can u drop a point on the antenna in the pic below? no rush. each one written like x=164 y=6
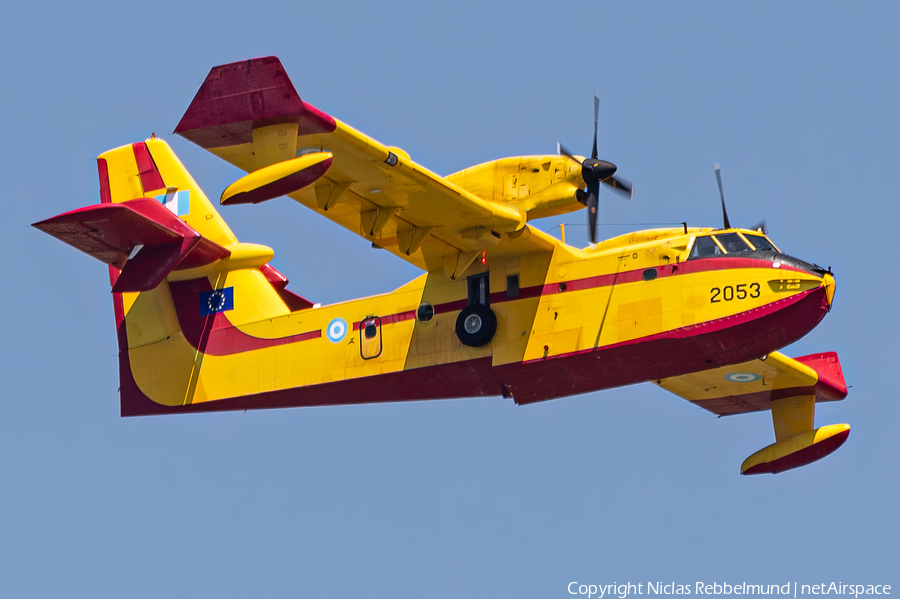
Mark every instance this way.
x=722 y=195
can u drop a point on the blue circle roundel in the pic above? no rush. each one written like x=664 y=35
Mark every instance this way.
x=742 y=377
x=336 y=330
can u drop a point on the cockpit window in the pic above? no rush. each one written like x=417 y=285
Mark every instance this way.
x=704 y=247
x=761 y=243
x=733 y=243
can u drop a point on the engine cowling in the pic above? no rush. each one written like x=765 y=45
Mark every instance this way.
x=540 y=186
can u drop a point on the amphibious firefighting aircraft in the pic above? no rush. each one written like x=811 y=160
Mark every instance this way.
x=205 y=323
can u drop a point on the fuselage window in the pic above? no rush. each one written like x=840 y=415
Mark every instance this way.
x=761 y=243
x=733 y=243
x=704 y=247
x=425 y=313
x=512 y=286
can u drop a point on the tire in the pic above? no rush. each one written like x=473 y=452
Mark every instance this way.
x=476 y=325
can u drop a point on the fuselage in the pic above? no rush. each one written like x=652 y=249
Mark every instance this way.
x=644 y=306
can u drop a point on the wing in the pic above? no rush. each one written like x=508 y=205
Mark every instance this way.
x=753 y=386
x=249 y=114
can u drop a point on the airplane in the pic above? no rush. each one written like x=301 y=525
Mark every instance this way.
x=205 y=323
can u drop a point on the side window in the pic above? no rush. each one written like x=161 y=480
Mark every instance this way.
x=704 y=247
x=512 y=286
x=370 y=338
x=425 y=313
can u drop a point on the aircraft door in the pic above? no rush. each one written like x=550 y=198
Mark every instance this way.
x=370 y=338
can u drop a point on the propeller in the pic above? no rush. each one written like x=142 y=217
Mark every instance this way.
x=761 y=226
x=594 y=172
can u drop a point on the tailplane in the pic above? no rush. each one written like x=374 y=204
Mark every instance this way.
x=175 y=268
x=152 y=219
x=154 y=223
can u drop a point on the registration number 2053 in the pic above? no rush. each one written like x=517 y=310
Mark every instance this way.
x=736 y=292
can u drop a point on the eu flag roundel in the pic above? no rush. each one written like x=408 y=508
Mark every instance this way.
x=217 y=300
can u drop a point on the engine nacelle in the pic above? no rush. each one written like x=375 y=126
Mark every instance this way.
x=540 y=186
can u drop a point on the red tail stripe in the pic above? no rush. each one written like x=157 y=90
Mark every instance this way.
x=151 y=180
x=103 y=170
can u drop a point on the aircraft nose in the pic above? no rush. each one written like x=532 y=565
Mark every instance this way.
x=828 y=283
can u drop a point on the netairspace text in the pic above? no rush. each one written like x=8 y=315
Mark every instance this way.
x=791 y=589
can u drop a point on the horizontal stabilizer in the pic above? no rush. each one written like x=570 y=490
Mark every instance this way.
x=141 y=237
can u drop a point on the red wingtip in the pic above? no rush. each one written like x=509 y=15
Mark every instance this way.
x=238 y=97
x=831 y=385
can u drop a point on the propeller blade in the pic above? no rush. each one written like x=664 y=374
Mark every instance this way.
x=594 y=172
x=591 y=203
x=722 y=195
x=762 y=227
x=622 y=186
x=562 y=151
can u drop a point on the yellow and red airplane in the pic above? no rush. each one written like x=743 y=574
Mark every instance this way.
x=205 y=323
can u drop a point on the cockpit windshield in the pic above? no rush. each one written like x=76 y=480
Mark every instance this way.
x=733 y=243
x=762 y=244
x=729 y=243
x=704 y=247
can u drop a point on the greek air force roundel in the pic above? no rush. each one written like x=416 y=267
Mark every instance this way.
x=742 y=377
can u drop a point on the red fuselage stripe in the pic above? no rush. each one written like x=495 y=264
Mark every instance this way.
x=213 y=334
x=222 y=338
x=526 y=383
x=709 y=326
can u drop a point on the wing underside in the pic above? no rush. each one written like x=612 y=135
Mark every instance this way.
x=753 y=386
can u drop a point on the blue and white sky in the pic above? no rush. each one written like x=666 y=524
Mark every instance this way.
x=797 y=101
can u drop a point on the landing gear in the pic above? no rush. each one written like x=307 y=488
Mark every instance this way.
x=476 y=325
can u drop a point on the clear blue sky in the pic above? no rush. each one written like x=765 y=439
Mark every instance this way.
x=468 y=498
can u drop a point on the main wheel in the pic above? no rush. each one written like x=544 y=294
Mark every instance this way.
x=476 y=325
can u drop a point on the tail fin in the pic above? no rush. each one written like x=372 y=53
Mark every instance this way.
x=150 y=169
x=144 y=238
x=175 y=266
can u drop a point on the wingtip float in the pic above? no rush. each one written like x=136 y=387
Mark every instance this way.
x=205 y=323
x=797 y=451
